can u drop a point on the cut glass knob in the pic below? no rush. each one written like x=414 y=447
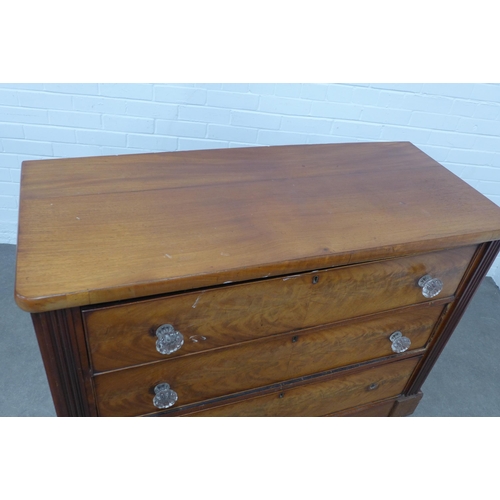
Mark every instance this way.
x=164 y=396
x=169 y=339
x=399 y=342
x=430 y=286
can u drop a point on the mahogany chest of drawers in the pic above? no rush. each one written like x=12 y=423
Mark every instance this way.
x=278 y=281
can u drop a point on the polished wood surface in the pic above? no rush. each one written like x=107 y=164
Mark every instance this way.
x=406 y=405
x=325 y=397
x=480 y=265
x=62 y=345
x=285 y=268
x=378 y=409
x=265 y=362
x=399 y=406
x=94 y=230
x=123 y=335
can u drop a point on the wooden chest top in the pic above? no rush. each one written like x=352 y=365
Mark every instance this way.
x=102 y=229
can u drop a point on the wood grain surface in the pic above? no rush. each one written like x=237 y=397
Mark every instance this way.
x=124 y=335
x=482 y=261
x=378 y=409
x=323 y=398
x=259 y=363
x=62 y=345
x=406 y=405
x=93 y=230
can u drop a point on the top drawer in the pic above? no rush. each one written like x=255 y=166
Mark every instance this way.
x=125 y=335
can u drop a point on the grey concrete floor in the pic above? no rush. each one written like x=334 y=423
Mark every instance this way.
x=464 y=382
x=24 y=391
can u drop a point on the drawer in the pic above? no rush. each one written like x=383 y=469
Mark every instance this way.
x=378 y=409
x=324 y=397
x=124 y=335
x=262 y=362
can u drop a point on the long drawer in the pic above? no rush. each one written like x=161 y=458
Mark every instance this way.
x=324 y=397
x=124 y=335
x=263 y=362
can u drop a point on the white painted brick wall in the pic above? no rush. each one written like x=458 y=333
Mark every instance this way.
x=456 y=124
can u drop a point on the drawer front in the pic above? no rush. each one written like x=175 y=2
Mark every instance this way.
x=325 y=397
x=262 y=362
x=124 y=335
x=380 y=409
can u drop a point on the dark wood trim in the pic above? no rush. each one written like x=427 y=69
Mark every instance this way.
x=80 y=351
x=66 y=364
x=473 y=277
x=405 y=405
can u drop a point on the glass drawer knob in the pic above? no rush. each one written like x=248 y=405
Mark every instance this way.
x=164 y=396
x=399 y=342
x=169 y=339
x=430 y=286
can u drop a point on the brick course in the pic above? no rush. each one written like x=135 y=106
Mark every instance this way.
x=456 y=124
